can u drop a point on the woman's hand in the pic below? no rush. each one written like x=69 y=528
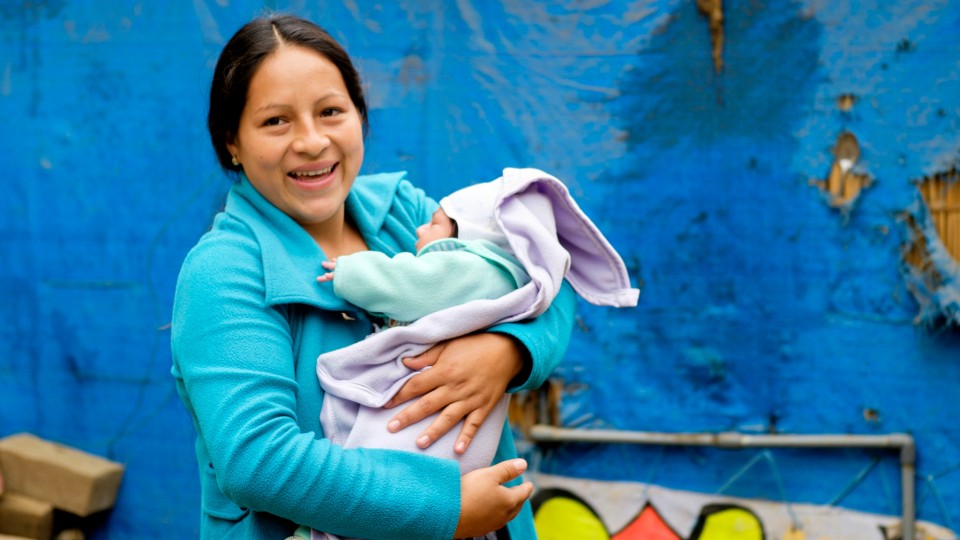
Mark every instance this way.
x=469 y=376
x=485 y=503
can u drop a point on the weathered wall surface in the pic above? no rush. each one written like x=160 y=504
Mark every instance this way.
x=769 y=303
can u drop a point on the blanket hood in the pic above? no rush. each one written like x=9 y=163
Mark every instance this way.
x=532 y=214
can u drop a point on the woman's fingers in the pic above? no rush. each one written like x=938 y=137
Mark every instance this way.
x=506 y=471
x=471 y=416
x=426 y=358
x=432 y=386
x=466 y=380
x=418 y=410
x=449 y=412
x=444 y=422
x=420 y=383
x=471 y=424
x=485 y=503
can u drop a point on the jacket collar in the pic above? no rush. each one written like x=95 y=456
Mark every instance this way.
x=290 y=257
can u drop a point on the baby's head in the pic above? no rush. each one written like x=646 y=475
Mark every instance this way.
x=467 y=214
x=473 y=211
x=439 y=226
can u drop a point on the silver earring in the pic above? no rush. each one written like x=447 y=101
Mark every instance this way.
x=236 y=163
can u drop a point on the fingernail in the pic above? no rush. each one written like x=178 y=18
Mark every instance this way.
x=423 y=441
x=461 y=446
x=393 y=426
x=520 y=465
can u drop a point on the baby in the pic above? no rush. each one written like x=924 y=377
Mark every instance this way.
x=445 y=271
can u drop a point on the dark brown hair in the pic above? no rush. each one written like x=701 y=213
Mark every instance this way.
x=244 y=53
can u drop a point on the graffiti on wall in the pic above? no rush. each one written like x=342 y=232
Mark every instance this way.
x=590 y=509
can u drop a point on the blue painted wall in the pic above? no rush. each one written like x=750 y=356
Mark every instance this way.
x=763 y=309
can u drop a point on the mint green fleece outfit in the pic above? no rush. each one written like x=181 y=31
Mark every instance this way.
x=445 y=273
x=249 y=322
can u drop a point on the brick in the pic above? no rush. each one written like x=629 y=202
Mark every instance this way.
x=23 y=516
x=69 y=479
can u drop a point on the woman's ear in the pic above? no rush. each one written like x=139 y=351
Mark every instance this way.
x=232 y=145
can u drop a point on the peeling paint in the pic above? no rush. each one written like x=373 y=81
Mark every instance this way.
x=871 y=414
x=845 y=102
x=843 y=185
x=713 y=11
x=941 y=193
x=932 y=249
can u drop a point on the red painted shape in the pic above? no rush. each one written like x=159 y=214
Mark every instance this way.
x=648 y=525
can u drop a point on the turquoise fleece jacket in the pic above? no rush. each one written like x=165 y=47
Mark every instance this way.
x=249 y=321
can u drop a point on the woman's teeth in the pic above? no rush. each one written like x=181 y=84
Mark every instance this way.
x=320 y=172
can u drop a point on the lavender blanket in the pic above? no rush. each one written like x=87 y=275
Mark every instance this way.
x=553 y=239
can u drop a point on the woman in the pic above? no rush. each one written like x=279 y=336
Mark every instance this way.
x=287 y=118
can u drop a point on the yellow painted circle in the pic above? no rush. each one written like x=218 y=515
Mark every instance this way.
x=560 y=518
x=732 y=524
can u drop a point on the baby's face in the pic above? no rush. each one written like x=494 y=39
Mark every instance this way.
x=439 y=226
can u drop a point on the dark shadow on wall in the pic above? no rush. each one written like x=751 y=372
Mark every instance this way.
x=771 y=52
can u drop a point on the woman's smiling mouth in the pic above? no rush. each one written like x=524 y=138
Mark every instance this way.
x=311 y=174
x=312 y=178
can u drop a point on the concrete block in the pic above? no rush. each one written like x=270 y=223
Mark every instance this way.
x=23 y=516
x=67 y=478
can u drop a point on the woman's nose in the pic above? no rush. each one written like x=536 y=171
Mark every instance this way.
x=310 y=140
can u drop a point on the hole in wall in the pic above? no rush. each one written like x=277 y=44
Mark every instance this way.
x=941 y=194
x=916 y=254
x=845 y=102
x=931 y=252
x=843 y=183
x=871 y=415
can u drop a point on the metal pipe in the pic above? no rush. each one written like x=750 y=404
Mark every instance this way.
x=540 y=433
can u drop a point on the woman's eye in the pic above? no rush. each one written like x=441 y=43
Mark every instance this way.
x=275 y=121
x=329 y=112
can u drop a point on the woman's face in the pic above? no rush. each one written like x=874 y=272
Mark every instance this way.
x=300 y=139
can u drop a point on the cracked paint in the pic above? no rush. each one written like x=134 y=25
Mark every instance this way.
x=843 y=184
x=932 y=248
x=713 y=11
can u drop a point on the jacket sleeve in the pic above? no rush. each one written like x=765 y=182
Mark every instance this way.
x=406 y=287
x=234 y=365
